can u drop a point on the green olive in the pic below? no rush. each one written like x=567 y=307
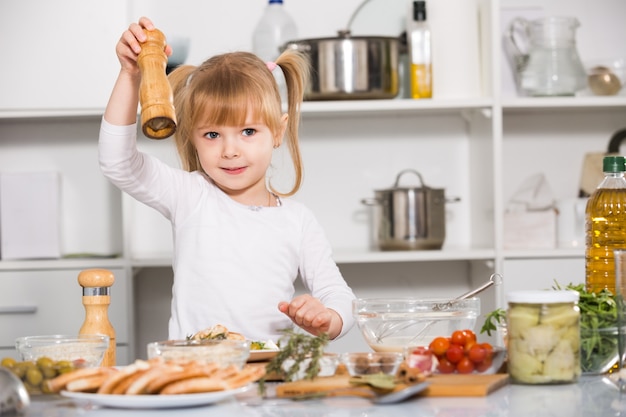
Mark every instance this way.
x=49 y=372
x=64 y=364
x=45 y=362
x=8 y=362
x=19 y=369
x=34 y=376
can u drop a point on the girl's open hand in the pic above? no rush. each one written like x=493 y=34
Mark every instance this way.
x=311 y=315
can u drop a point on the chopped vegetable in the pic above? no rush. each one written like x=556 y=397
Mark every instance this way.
x=257 y=345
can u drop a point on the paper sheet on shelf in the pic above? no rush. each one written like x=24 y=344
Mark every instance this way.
x=530 y=216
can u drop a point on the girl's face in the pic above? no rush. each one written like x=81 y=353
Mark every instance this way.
x=236 y=158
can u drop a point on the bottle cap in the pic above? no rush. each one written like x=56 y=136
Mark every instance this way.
x=614 y=164
x=419 y=10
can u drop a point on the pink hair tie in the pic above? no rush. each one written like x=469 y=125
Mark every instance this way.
x=271 y=65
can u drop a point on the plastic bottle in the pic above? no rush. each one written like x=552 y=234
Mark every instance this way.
x=420 y=57
x=605 y=225
x=275 y=28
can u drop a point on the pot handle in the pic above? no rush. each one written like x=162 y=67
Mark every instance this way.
x=370 y=201
x=409 y=171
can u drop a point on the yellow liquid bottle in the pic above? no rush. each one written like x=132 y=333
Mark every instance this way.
x=421 y=82
x=420 y=57
x=605 y=226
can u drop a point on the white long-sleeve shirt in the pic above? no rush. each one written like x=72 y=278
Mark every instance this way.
x=232 y=263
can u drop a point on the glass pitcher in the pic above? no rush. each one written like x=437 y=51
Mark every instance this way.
x=547 y=62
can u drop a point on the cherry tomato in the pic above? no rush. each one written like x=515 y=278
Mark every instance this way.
x=445 y=366
x=488 y=349
x=439 y=346
x=469 y=335
x=454 y=353
x=458 y=337
x=468 y=345
x=465 y=366
x=477 y=353
x=484 y=365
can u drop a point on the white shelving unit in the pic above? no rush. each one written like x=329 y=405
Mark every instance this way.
x=477 y=149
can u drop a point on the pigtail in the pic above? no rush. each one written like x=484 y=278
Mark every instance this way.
x=179 y=80
x=296 y=69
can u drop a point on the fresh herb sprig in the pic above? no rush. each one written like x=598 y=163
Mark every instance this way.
x=492 y=320
x=598 y=325
x=298 y=347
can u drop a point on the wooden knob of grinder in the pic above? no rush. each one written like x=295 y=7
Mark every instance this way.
x=96 y=285
x=158 y=117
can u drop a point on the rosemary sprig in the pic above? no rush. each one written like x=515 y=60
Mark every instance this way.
x=298 y=347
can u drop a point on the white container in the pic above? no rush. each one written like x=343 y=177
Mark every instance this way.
x=543 y=331
x=273 y=30
x=29 y=216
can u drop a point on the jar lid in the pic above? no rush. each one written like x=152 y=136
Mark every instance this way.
x=543 y=296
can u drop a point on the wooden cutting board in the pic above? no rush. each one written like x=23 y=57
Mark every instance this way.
x=451 y=385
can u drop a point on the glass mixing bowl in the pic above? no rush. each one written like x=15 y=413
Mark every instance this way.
x=391 y=324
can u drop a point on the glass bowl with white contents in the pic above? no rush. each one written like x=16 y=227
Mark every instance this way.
x=392 y=324
x=223 y=352
x=80 y=351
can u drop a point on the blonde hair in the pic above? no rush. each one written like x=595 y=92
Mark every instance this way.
x=224 y=88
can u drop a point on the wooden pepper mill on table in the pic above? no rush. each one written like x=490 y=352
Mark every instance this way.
x=158 y=117
x=96 y=285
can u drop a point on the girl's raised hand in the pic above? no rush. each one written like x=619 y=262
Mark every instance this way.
x=129 y=45
x=311 y=315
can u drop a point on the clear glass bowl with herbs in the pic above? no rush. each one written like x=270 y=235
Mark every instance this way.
x=598 y=330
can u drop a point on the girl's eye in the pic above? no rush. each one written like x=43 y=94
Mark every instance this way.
x=212 y=135
x=248 y=132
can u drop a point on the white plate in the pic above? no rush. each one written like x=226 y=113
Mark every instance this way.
x=154 y=401
x=262 y=355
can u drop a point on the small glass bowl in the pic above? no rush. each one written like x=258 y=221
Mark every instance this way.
x=598 y=350
x=81 y=351
x=45 y=357
x=368 y=363
x=224 y=352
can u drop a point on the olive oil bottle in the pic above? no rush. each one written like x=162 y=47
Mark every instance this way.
x=605 y=225
x=419 y=42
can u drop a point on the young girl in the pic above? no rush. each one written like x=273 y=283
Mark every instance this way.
x=238 y=243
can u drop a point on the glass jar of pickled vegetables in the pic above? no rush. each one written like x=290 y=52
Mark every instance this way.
x=543 y=331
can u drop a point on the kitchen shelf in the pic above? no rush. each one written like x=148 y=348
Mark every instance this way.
x=363 y=256
x=514 y=105
x=347 y=256
x=545 y=253
x=56 y=264
x=342 y=108
x=51 y=114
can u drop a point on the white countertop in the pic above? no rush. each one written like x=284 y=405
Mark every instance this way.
x=591 y=396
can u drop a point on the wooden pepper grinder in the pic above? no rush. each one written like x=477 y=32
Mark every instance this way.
x=96 y=285
x=158 y=117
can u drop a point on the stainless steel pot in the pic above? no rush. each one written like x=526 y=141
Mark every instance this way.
x=351 y=67
x=409 y=218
